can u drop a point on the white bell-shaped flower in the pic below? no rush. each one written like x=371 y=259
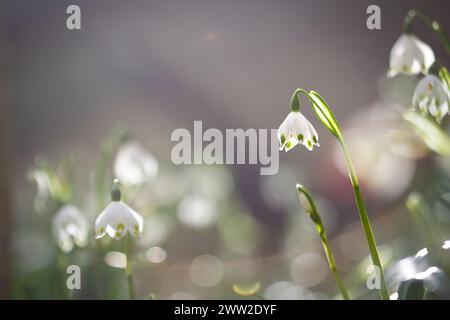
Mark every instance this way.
x=410 y=55
x=431 y=97
x=134 y=165
x=297 y=129
x=118 y=219
x=70 y=228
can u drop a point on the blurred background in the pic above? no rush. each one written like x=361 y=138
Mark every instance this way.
x=73 y=103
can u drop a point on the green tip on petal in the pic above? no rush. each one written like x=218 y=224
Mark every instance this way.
x=288 y=146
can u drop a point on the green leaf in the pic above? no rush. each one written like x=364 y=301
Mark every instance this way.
x=431 y=134
x=324 y=113
x=444 y=75
x=411 y=289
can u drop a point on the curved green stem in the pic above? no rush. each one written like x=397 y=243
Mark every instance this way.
x=326 y=116
x=432 y=24
x=311 y=210
x=129 y=268
x=365 y=219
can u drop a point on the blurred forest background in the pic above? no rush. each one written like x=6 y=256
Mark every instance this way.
x=154 y=66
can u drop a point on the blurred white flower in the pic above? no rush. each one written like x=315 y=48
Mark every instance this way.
x=118 y=218
x=416 y=267
x=410 y=55
x=70 y=228
x=421 y=253
x=297 y=129
x=431 y=97
x=43 y=188
x=393 y=296
x=134 y=165
x=446 y=245
x=197 y=212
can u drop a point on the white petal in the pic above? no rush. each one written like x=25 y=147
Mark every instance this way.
x=69 y=226
x=117 y=219
x=410 y=55
x=428 y=54
x=297 y=129
x=134 y=165
x=431 y=96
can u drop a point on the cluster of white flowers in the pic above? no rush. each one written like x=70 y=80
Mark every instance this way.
x=411 y=56
x=135 y=166
x=70 y=226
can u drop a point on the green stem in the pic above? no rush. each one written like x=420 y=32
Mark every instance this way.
x=312 y=212
x=129 y=268
x=333 y=267
x=432 y=24
x=365 y=219
x=326 y=116
x=62 y=265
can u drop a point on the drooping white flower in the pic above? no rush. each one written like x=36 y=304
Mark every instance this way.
x=410 y=55
x=134 y=165
x=297 y=129
x=70 y=228
x=431 y=97
x=118 y=218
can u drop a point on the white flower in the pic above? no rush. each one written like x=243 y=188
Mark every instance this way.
x=431 y=97
x=43 y=188
x=70 y=227
x=117 y=218
x=409 y=55
x=297 y=129
x=134 y=165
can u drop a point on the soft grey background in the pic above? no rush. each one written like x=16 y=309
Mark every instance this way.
x=159 y=65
